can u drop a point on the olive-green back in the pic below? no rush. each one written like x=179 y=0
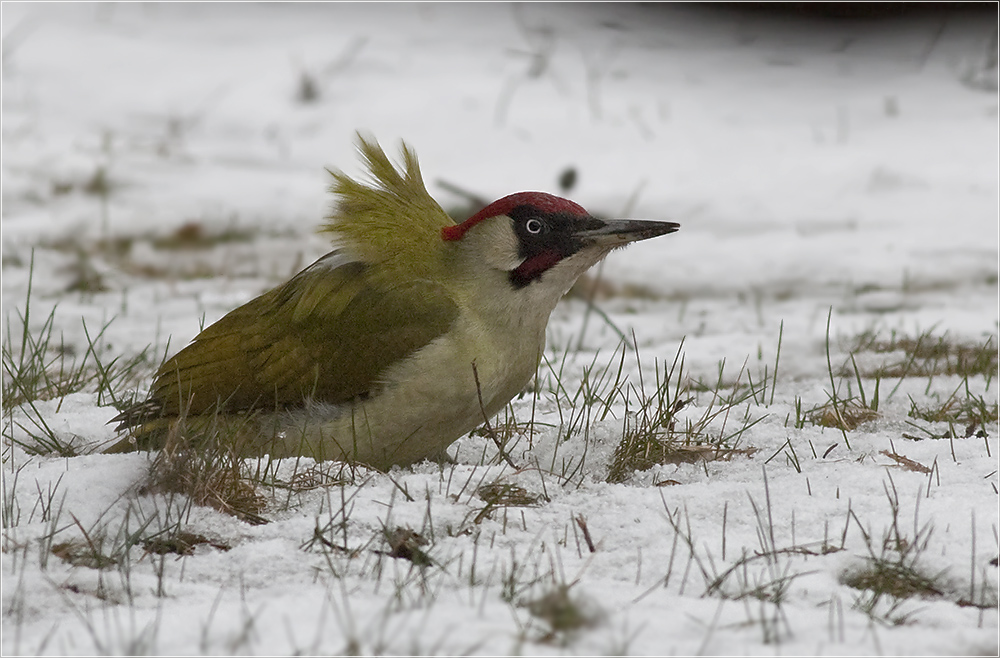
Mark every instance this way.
x=325 y=335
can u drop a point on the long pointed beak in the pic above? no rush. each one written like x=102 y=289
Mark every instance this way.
x=619 y=232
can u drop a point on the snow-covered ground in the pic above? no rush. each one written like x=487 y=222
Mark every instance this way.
x=163 y=164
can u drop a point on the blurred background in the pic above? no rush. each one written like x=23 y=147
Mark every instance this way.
x=162 y=151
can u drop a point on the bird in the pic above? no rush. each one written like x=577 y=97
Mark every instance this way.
x=411 y=332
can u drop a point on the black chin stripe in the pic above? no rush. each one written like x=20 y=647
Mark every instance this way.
x=518 y=280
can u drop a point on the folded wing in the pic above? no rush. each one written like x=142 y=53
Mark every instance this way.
x=327 y=335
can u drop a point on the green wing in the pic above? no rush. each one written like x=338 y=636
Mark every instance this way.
x=328 y=334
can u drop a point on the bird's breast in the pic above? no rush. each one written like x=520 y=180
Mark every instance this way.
x=474 y=360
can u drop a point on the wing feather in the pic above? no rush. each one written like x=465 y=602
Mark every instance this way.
x=328 y=334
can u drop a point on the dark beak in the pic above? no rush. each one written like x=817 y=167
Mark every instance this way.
x=619 y=232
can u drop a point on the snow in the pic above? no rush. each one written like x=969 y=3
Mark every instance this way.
x=816 y=167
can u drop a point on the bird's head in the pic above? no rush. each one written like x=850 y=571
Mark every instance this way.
x=542 y=243
x=520 y=253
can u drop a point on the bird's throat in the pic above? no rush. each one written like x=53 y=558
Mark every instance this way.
x=534 y=267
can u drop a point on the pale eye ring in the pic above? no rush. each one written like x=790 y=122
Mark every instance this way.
x=533 y=226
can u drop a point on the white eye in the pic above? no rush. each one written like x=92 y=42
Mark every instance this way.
x=533 y=226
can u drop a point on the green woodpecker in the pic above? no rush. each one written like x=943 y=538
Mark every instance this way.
x=406 y=336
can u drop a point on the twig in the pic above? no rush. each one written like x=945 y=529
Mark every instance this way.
x=490 y=432
x=457 y=190
x=582 y=523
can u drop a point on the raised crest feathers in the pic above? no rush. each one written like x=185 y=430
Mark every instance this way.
x=390 y=220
